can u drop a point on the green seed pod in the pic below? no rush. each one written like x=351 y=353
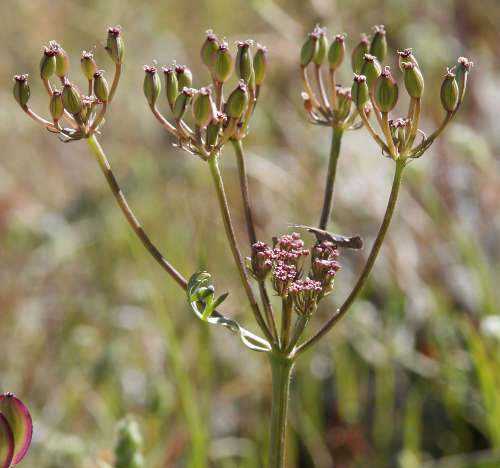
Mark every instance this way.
x=72 y=99
x=462 y=73
x=378 y=46
x=357 y=57
x=360 y=94
x=414 y=81
x=21 y=89
x=309 y=49
x=128 y=444
x=222 y=63
x=322 y=48
x=385 y=91
x=88 y=65
x=449 y=92
x=214 y=127
x=56 y=105
x=152 y=85
x=336 y=52
x=371 y=69
x=406 y=56
x=184 y=77
x=182 y=102
x=100 y=87
x=171 y=85
x=237 y=101
x=209 y=48
x=48 y=63
x=114 y=45
x=260 y=64
x=62 y=63
x=203 y=108
x=243 y=63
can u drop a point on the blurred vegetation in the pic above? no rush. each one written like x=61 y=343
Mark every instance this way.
x=92 y=329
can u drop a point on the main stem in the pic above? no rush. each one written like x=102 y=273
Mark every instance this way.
x=391 y=204
x=330 y=178
x=281 y=367
x=228 y=226
x=134 y=223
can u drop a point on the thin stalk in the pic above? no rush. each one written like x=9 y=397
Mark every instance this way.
x=330 y=178
x=321 y=87
x=247 y=208
x=116 y=79
x=391 y=204
x=281 y=367
x=298 y=329
x=115 y=188
x=286 y=321
x=307 y=86
x=387 y=133
x=333 y=89
x=228 y=226
x=166 y=124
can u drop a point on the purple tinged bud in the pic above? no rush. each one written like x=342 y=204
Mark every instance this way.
x=114 y=45
x=222 y=64
x=385 y=91
x=357 y=57
x=203 y=107
x=309 y=49
x=21 y=89
x=19 y=419
x=260 y=64
x=378 y=46
x=237 y=101
x=101 y=90
x=89 y=67
x=182 y=102
x=371 y=69
x=209 y=48
x=72 y=99
x=56 y=105
x=48 y=63
x=152 y=85
x=184 y=76
x=336 y=52
x=360 y=94
x=449 y=92
x=414 y=81
x=322 y=47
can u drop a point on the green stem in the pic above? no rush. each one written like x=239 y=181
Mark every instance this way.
x=134 y=223
x=228 y=226
x=330 y=178
x=281 y=367
x=391 y=204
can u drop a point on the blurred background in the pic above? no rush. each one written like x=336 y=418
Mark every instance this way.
x=91 y=328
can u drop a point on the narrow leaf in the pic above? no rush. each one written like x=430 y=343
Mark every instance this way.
x=20 y=422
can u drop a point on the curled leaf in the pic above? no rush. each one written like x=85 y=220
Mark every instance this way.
x=6 y=443
x=201 y=299
x=19 y=420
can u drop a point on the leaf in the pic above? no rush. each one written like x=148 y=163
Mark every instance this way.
x=20 y=422
x=6 y=443
x=204 y=306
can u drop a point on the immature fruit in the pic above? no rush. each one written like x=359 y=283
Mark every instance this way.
x=461 y=75
x=21 y=89
x=72 y=99
x=48 y=63
x=171 y=85
x=56 y=105
x=237 y=101
x=309 y=49
x=88 y=65
x=360 y=94
x=203 y=107
x=222 y=64
x=371 y=69
x=208 y=49
x=385 y=91
x=449 y=92
x=406 y=56
x=184 y=76
x=152 y=85
x=114 y=45
x=322 y=48
x=378 y=46
x=100 y=87
x=61 y=61
x=244 y=64
x=357 y=57
x=414 y=81
x=260 y=64
x=336 y=52
x=182 y=102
